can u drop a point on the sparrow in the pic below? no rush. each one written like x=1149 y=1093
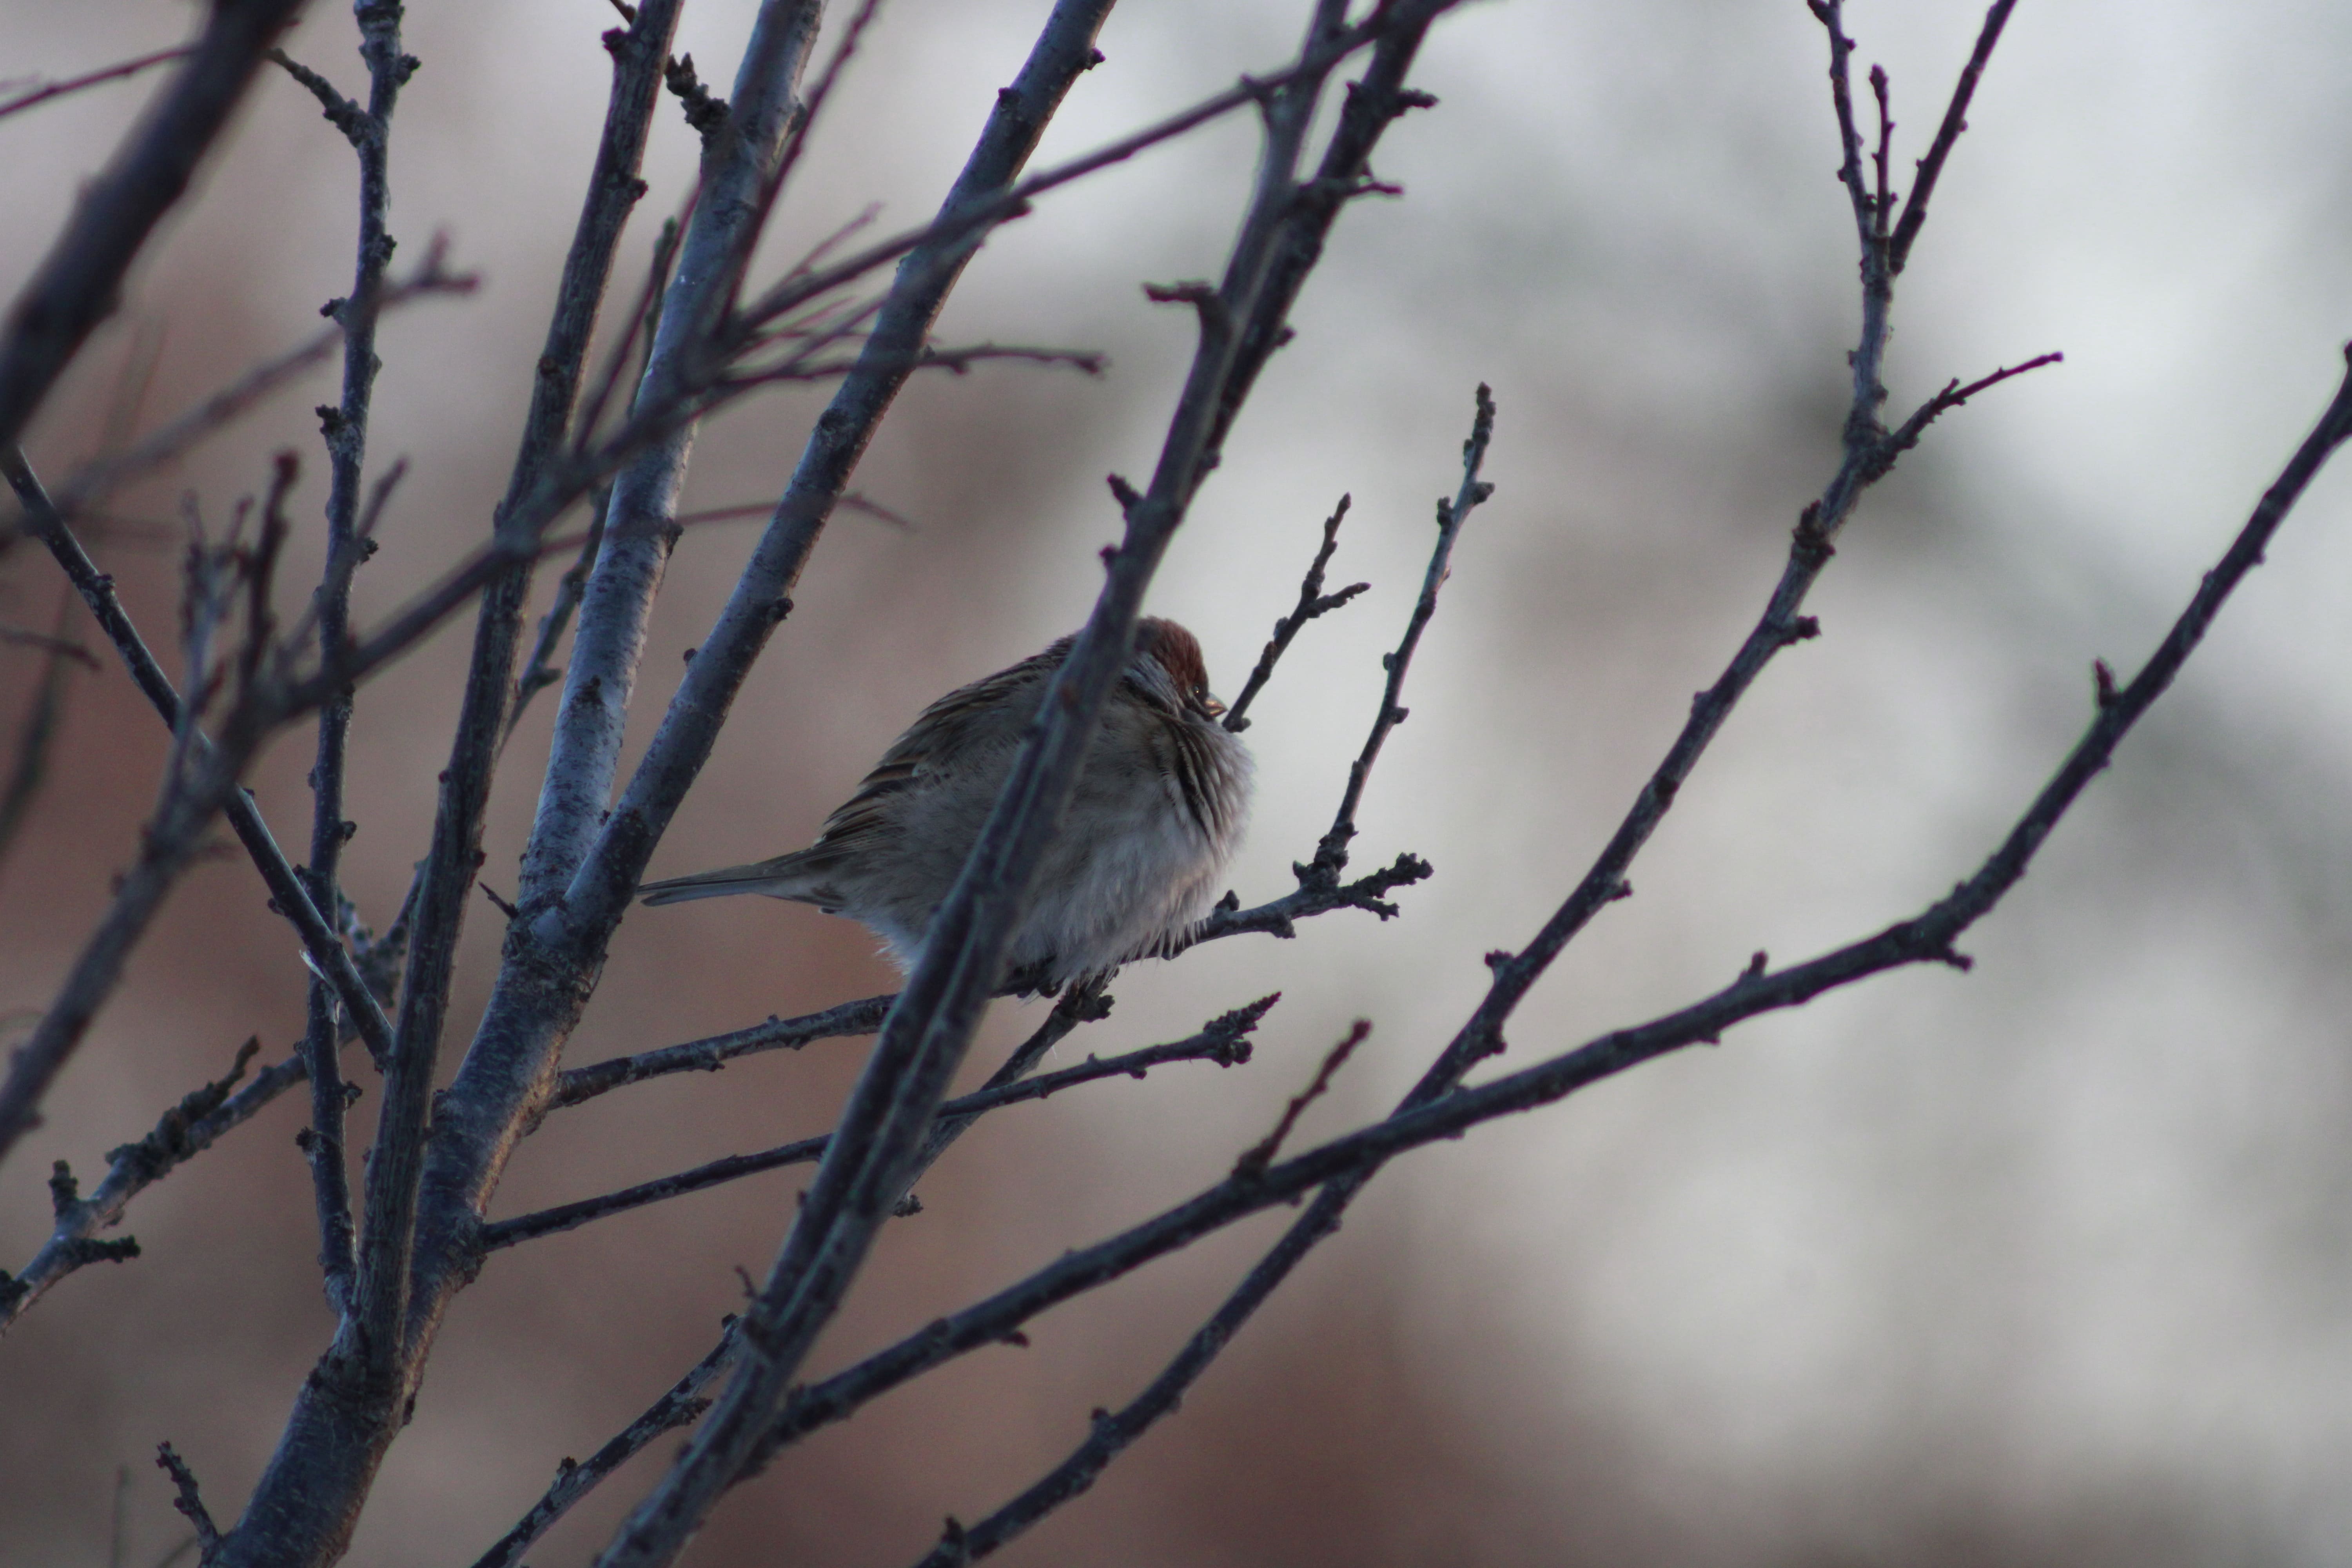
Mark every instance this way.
x=1159 y=807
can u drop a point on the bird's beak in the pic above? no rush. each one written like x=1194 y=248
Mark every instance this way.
x=1210 y=705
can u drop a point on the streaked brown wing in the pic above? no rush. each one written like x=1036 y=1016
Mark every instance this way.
x=938 y=735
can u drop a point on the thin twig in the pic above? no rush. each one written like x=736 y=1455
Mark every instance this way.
x=345 y=431
x=1906 y=436
x=637 y=326
x=1313 y=601
x=198 y=780
x=356 y=124
x=1224 y=1041
x=1085 y=1003
x=1948 y=136
x=39 y=95
x=681 y=1406
x=1278 y=917
x=1259 y=1155
x=184 y=1131
x=538 y=672
x=806 y=115
x=1331 y=852
x=187 y=1498
x=53 y=644
x=846 y=1020
x=322 y=942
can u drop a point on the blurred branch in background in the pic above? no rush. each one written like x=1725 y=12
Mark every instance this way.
x=31 y=97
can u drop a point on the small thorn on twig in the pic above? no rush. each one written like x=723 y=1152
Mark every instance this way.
x=1215 y=320
x=2103 y=681
x=1757 y=963
x=705 y=111
x=65 y=1192
x=1953 y=958
x=1811 y=539
x=503 y=907
x=1500 y=957
x=1127 y=495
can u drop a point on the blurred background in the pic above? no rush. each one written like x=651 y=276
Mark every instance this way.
x=2049 y=1263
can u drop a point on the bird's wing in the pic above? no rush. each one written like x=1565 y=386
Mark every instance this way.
x=985 y=711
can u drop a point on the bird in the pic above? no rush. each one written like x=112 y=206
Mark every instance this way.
x=1161 y=805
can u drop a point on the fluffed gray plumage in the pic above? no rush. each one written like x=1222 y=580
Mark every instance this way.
x=1160 y=808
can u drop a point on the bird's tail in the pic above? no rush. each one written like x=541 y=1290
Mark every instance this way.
x=783 y=878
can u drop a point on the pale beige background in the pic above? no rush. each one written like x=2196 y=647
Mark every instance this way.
x=2050 y=1264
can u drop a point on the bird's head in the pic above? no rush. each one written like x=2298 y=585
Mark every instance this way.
x=1168 y=666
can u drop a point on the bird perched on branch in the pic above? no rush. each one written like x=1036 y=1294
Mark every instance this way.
x=1159 y=809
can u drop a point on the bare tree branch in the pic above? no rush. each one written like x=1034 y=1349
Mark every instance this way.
x=680 y=1406
x=735 y=186
x=1224 y=1041
x=1869 y=454
x=189 y=1500
x=55 y=644
x=309 y=1498
x=76 y=283
x=560 y=483
x=321 y=944
x=181 y=1133
x=1259 y=1155
x=198 y=780
x=538 y=672
x=1948 y=135
x=1925 y=938
x=1278 y=917
x=345 y=429
x=1331 y=852
x=847 y=1019
x=1313 y=601
x=303 y=1509
x=1112 y=1432
x=879 y=1134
